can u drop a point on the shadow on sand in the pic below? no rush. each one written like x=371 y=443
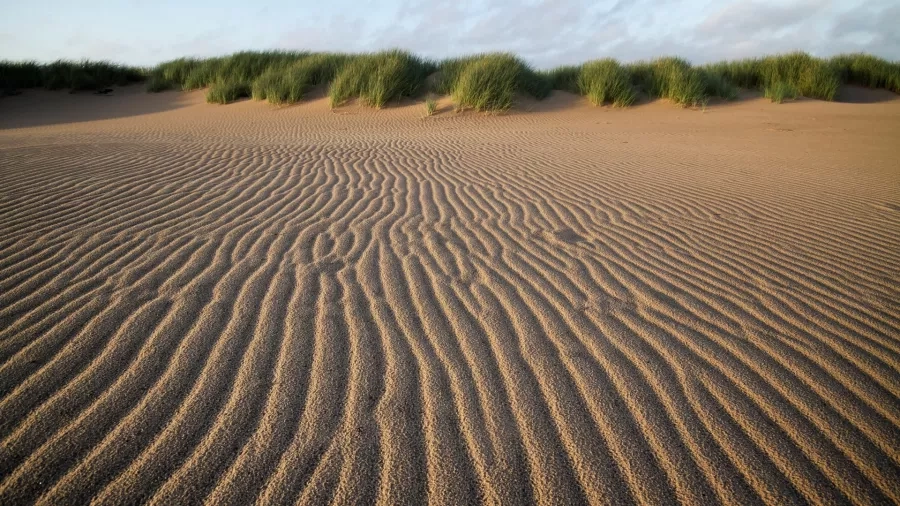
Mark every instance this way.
x=36 y=107
x=852 y=94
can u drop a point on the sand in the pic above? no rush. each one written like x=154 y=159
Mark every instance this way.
x=564 y=305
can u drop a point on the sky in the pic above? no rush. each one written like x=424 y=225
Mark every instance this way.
x=545 y=33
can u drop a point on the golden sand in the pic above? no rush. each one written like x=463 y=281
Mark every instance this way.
x=569 y=304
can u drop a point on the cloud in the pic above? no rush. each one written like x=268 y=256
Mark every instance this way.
x=548 y=33
x=872 y=28
x=544 y=32
x=748 y=19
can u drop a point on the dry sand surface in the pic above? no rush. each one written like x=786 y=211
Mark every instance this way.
x=229 y=304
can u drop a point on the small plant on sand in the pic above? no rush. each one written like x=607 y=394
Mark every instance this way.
x=780 y=91
x=430 y=106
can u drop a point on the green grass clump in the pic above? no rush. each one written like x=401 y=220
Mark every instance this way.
x=63 y=74
x=430 y=106
x=380 y=77
x=780 y=91
x=288 y=84
x=867 y=70
x=564 y=78
x=275 y=86
x=449 y=70
x=717 y=85
x=745 y=73
x=673 y=79
x=226 y=91
x=156 y=84
x=489 y=82
x=605 y=80
x=174 y=72
x=811 y=77
x=20 y=75
x=194 y=74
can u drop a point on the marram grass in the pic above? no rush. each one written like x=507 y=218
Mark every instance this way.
x=484 y=82
x=64 y=74
x=226 y=91
x=780 y=91
x=379 y=78
x=606 y=81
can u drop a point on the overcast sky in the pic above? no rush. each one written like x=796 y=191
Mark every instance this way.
x=546 y=33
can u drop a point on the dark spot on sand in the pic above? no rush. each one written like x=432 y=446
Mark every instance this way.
x=567 y=235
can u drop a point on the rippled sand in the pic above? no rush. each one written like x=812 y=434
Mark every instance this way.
x=568 y=305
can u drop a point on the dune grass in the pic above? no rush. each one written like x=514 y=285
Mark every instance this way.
x=564 y=78
x=867 y=70
x=780 y=91
x=193 y=73
x=226 y=91
x=484 y=82
x=379 y=77
x=490 y=81
x=606 y=81
x=288 y=84
x=430 y=106
x=64 y=74
x=673 y=79
x=811 y=77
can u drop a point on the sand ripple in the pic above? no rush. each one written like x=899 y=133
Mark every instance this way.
x=238 y=304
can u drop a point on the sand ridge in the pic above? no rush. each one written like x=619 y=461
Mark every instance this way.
x=242 y=303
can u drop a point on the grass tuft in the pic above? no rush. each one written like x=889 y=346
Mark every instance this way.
x=379 y=78
x=64 y=74
x=673 y=79
x=430 y=106
x=156 y=84
x=564 y=78
x=811 y=77
x=716 y=85
x=603 y=81
x=780 y=91
x=225 y=91
x=194 y=74
x=867 y=70
x=485 y=82
x=288 y=84
x=489 y=82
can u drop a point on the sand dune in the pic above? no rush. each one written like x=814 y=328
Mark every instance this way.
x=561 y=306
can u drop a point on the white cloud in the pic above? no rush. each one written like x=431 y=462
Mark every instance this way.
x=544 y=32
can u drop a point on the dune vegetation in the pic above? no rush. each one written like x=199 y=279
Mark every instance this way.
x=483 y=82
x=61 y=74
